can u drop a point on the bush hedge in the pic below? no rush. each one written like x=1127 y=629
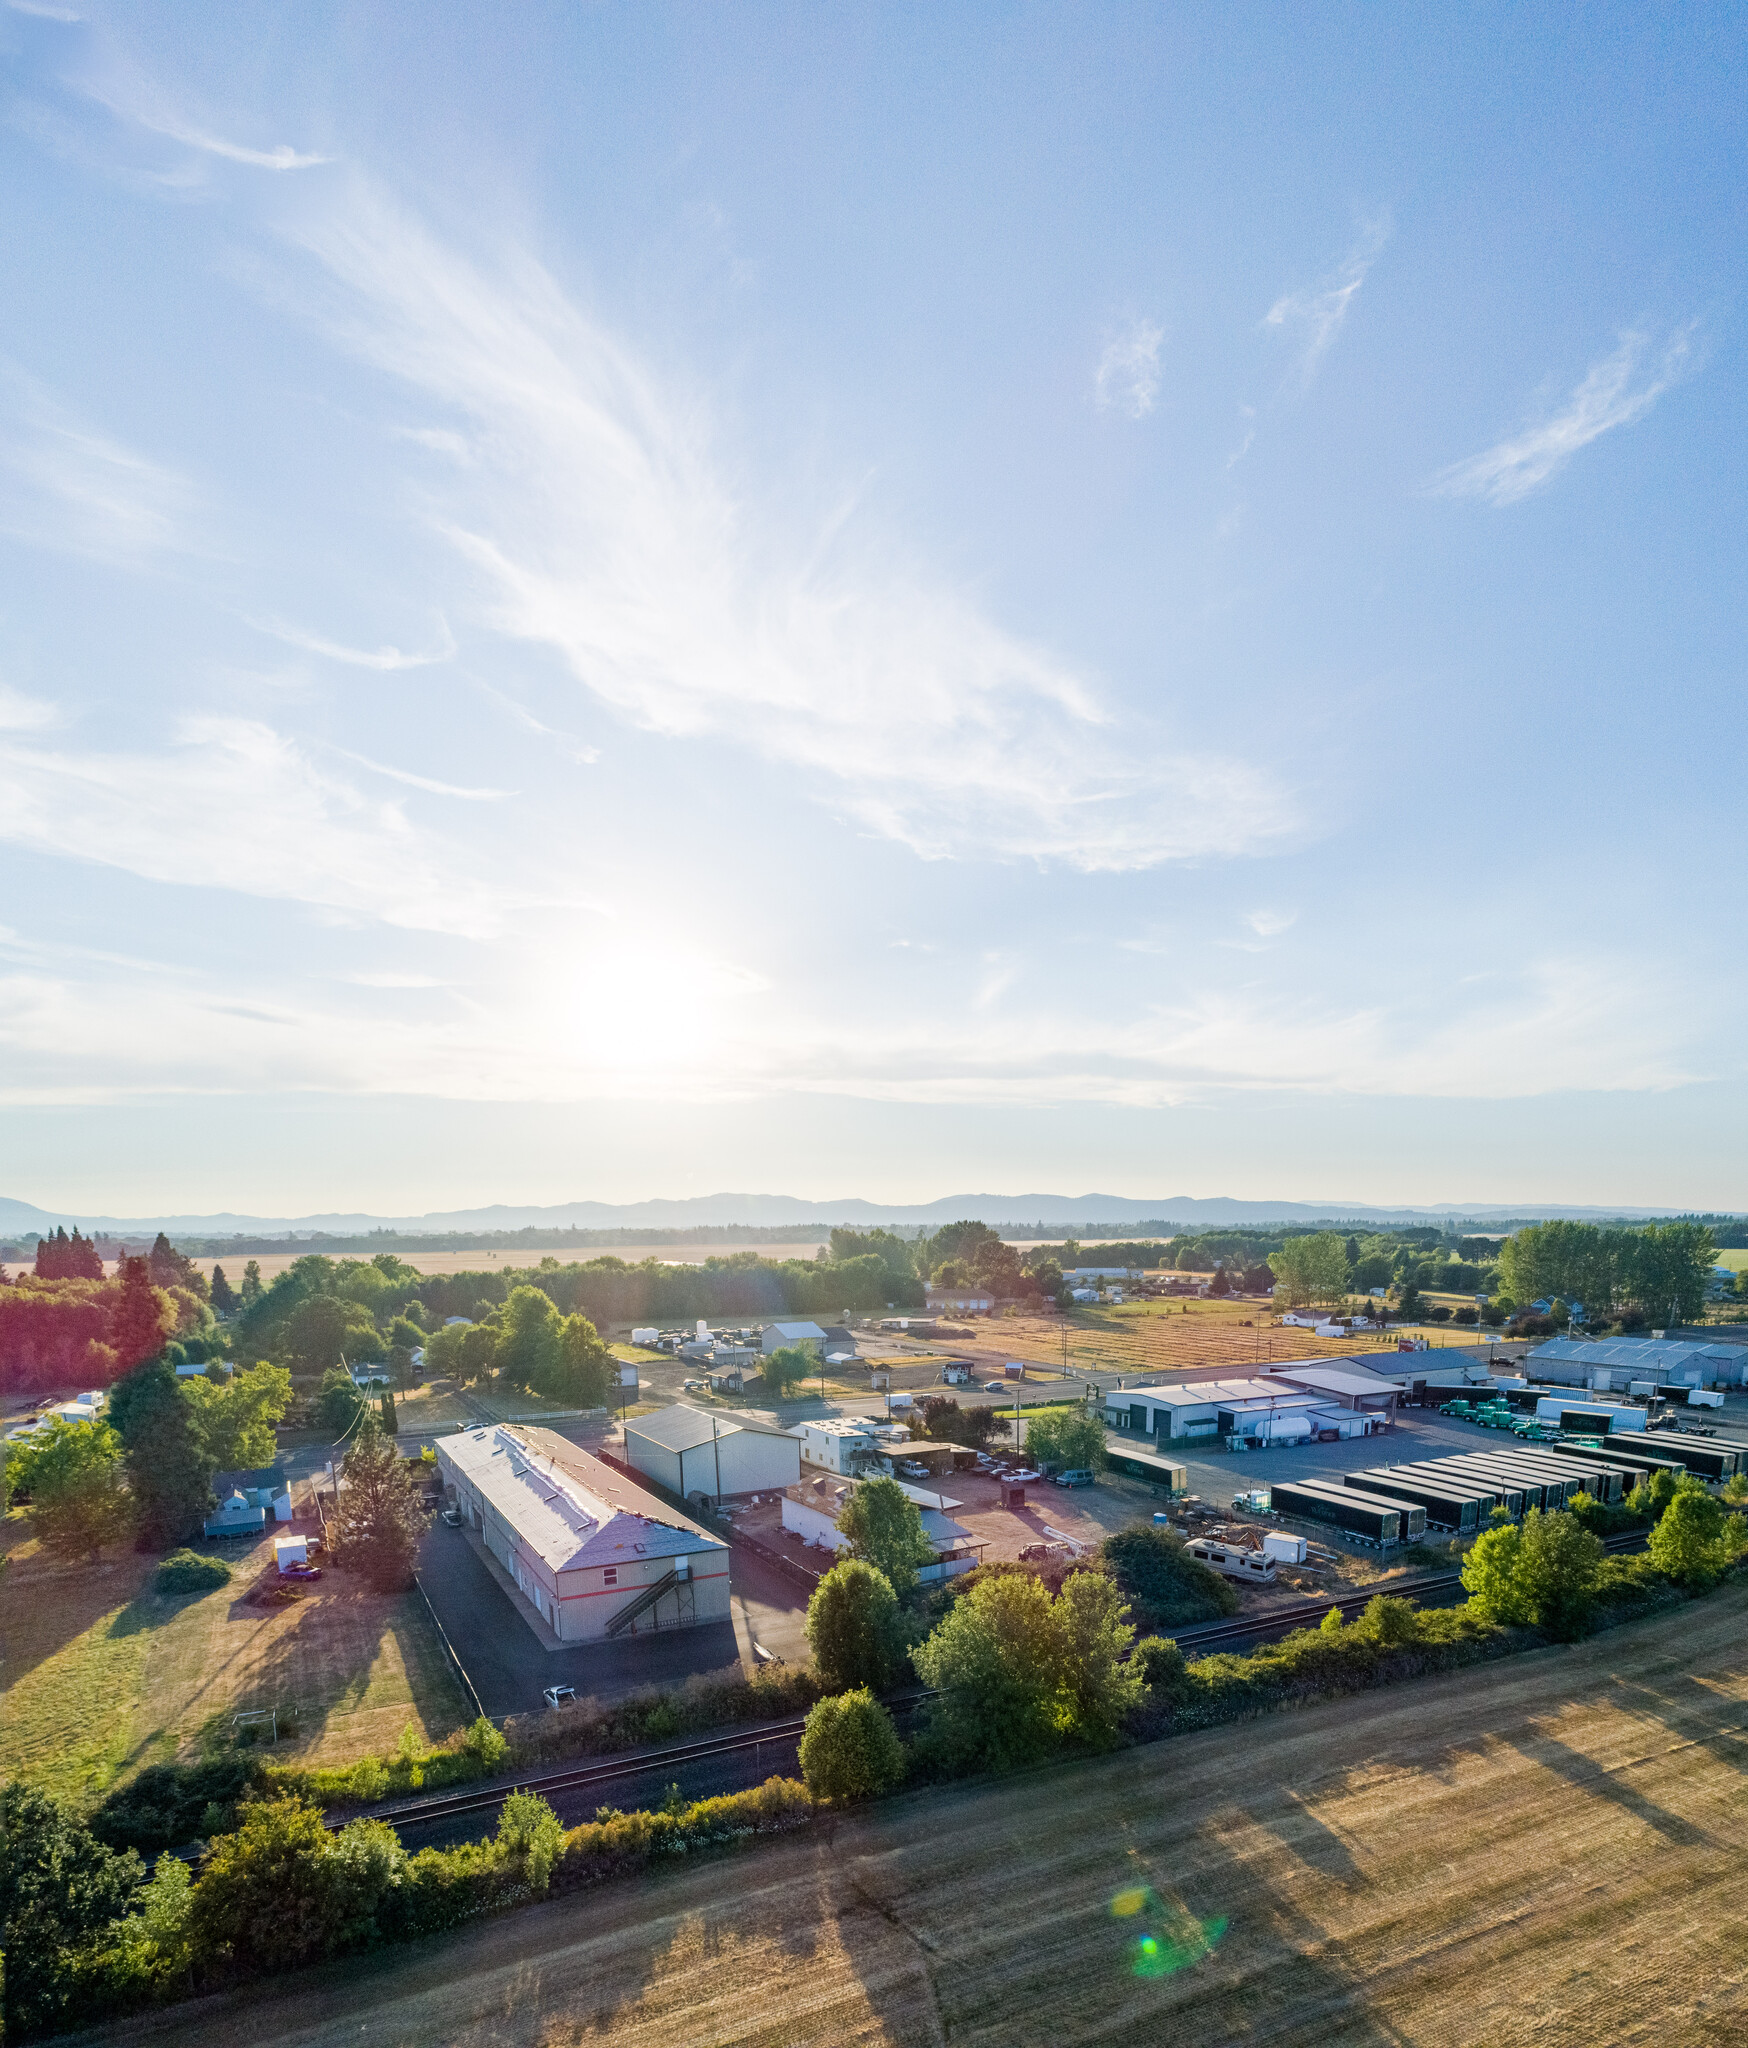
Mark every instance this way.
x=188 y=1571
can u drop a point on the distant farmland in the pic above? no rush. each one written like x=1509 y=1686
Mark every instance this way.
x=481 y=1261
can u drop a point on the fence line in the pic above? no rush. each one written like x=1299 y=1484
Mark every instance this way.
x=454 y=1658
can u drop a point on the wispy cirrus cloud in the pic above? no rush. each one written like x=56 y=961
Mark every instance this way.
x=1315 y=317
x=235 y=805
x=1126 y=379
x=1614 y=392
x=601 y=524
x=65 y=484
x=387 y=660
x=131 y=95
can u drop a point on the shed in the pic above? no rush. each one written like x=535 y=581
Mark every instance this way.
x=291 y=1550
x=264 y=1486
x=691 y=1453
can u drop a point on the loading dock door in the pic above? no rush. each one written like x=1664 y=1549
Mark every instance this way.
x=1138 y=1416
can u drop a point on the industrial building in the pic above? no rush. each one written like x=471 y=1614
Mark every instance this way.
x=693 y=1454
x=783 y=1336
x=1259 y=1410
x=594 y=1553
x=811 y=1512
x=1619 y=1365
x=1351 y=1386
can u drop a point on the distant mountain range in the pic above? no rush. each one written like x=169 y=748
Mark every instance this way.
x=1081 y=1213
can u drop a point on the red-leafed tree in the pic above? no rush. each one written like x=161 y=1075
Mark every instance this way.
x=143 y=1319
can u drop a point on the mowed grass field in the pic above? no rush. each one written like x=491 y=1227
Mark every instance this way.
x=1541 y=1851
x=102 y=1676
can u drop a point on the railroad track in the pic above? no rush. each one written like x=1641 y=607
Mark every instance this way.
x=413 y=1814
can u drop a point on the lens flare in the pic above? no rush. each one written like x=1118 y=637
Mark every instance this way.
x=1173 y=1939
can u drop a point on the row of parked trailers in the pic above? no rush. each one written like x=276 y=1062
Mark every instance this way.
x=1387 y=1504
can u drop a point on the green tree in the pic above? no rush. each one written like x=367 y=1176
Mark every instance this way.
x=1103 y=1685
x=1489 y=1576
x=252 y=1288
x=326 y=1328
x=376 y=1521
x=1651 y=1495
x=584 y=1374
x=531 y=1834
x=1697 y=1538
x=1164 y=1585
x=850 y=1749
x=853 y=1627
x=224 y=1296
x=60 y=1888
x=782 y=1368
x=1557 y=1570
x=526 y=1353
x=282 y=1890
x=1668 y=1266
x=1310 y=1268
x=338 y=1402
x=999 y=1662
x=1160 y=1665
x=886 y=1531
x=169 y=1471
x=1066 y=1439
x=79 y=1499
x=235 y=1420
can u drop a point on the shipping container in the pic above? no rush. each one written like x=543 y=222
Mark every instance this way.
x=1318 y=1500
x=1605 y=1475
x=1450 y=1474
x=1484 y=1471
x=1161 y=1472
x=1558 y=1483
x=1706 y=1456
x=1636 y=1464
x=1445 y=1509
x=1531 y=1487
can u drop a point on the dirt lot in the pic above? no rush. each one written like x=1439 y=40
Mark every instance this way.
x=1542 y=1851
x=102 y=1676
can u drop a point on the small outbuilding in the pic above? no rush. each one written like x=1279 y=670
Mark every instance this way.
x=691 y=1453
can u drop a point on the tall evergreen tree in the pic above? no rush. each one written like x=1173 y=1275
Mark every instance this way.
x=169 y=1469
x=141 y=1323
x=377 y=1520
x=224 y=1298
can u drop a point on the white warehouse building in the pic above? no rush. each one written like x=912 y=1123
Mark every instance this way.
x=691 y=1453
x=594 y=1554
x=1261 y=1410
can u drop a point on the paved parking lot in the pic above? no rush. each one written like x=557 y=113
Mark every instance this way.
x=509 y=1666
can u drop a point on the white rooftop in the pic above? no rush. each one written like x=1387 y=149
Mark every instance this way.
x=1206 y=1393
x=569 y=1508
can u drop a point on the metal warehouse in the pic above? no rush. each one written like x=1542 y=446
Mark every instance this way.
x=1261 y=1411
x=692 y=1454
x=1616 y=1364
x=593 y=1553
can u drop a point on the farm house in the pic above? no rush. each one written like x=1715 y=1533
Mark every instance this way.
x=592 y=1552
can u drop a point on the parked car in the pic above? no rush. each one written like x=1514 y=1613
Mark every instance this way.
x=1037 y=1553
x=1075 y=1476
x=912 y=1470
x=452 y=1515
x=300 y=1571
x=560 y=1695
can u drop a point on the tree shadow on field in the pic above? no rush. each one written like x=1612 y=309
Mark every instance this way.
x=1112 y=1922
x=1585 y=1774
x=49 y=1604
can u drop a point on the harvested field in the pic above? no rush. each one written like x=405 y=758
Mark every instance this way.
x=1544 y=1850
x=1227 y=1339
x=102 y=1676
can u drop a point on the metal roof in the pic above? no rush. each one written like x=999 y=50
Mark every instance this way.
x=1668 y=1353
x=570 y=1509
x=680 y=1428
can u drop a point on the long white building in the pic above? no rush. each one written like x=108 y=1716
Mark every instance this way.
x=592 y=1552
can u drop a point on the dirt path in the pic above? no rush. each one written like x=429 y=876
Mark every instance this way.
x=1543 y=1851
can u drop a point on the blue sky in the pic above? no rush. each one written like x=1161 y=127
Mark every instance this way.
x=602 y=602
